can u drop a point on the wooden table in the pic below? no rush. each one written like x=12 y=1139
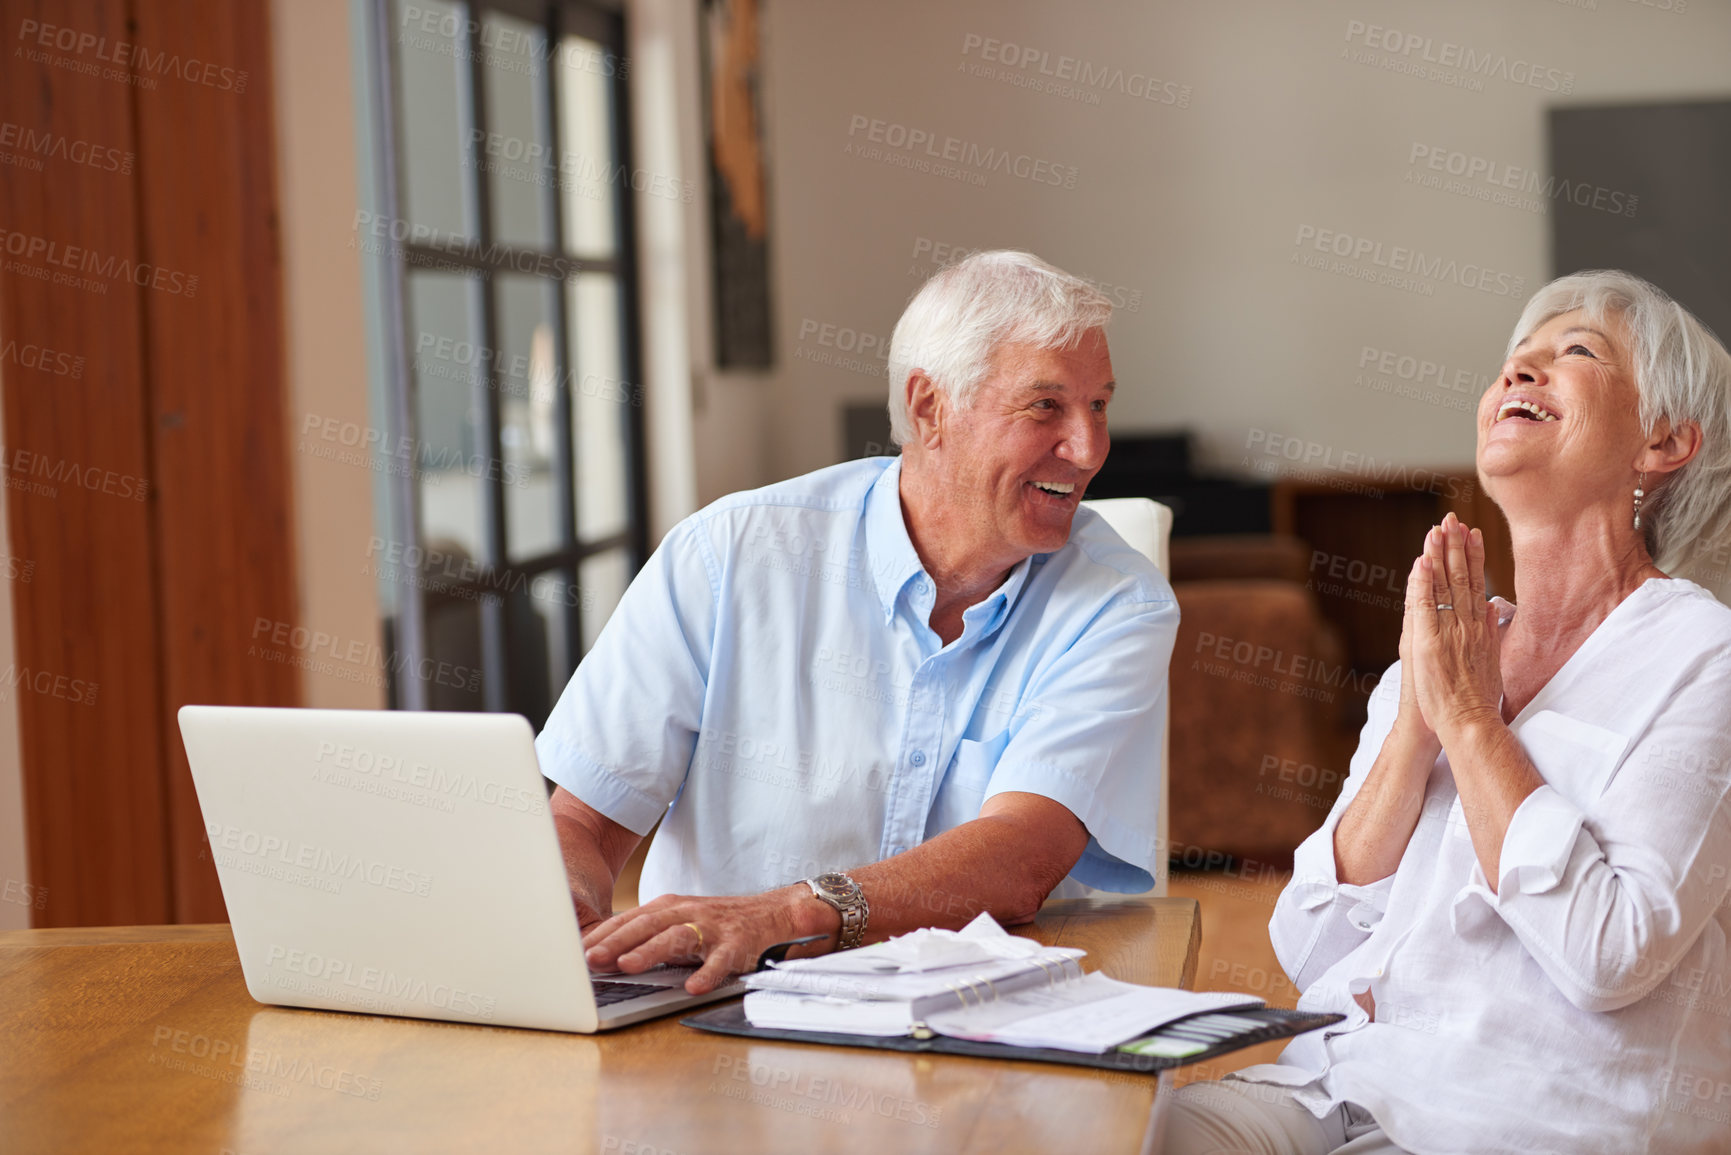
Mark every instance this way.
x=144 y=1039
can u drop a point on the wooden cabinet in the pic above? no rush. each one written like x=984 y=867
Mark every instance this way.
x=1364 y=536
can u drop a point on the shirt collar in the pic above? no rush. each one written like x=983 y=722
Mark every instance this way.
x=991 y=612
x=895 y=562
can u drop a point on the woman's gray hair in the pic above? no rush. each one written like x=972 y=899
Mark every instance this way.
x=1682 y=373
x=968 y=309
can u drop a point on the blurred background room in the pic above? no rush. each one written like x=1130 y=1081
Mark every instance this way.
x=355 y=353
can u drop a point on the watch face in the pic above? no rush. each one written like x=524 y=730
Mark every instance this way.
x=836 y=883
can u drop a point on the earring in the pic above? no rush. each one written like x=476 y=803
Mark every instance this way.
x=1640 y=492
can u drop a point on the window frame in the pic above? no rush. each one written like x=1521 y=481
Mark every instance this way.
x=485 y=261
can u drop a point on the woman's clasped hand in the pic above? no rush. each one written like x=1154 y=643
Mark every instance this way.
x=1450 y=642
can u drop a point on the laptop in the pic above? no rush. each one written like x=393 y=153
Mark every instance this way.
x=402 y=863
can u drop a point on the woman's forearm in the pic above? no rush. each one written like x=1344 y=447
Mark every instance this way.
x=1373 y=833
x=1494 y=776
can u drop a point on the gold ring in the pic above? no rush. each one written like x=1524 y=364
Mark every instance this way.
x=699 y=948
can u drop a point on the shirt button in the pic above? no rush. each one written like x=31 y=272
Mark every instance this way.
x=921 y=587
x=918 y=758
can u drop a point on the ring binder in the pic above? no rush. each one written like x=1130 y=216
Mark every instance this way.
x=977 y=985
x=1263 y=1024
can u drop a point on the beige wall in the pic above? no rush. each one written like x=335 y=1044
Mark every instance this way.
x=1275 y=121
x=326 y=343
x=662 y=47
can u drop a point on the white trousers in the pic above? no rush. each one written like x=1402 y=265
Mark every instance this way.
x=1235 y=1117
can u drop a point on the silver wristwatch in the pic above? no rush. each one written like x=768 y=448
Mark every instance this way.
x=844 y=894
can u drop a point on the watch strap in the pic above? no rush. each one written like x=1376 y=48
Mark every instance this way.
x=851 y=905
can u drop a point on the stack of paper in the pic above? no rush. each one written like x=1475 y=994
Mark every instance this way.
x=978 y=983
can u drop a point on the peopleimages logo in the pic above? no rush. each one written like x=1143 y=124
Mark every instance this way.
x=424 y=243
x=929 y=256
x=534 y=162
x=1482 y=178
x=128 y=59
x=943 y=155
x=21 y=468
x=1397 y=266
x=1446 y=61
x=67 y=261
x=1024 y=66
x=366 y=765
x=1325 y=459
x=497 y=45
x=254 y=1068
x=42 y=360
x=24 y=894
x=292 y=855
x=356 y=661
x=46 y=145
x=343 y=979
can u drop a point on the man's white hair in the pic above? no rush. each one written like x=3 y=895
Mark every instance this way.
x=1682 y=373
x=959 y=318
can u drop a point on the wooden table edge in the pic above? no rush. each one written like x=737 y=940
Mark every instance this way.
x=220 y=932
x=117 y=935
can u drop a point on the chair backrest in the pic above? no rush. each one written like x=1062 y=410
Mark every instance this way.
x=1144 y=524
x=1146 y=527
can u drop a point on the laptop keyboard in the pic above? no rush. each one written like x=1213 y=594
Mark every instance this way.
x=609 y=993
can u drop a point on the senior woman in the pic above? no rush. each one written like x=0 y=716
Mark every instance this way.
x=1519 y=900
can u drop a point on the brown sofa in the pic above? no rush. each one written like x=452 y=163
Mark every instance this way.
x=1263 y=707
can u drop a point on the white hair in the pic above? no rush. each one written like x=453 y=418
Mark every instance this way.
x=1682 y=373
x=956 y=321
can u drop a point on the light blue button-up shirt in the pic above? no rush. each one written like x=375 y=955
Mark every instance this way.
x=771 y=690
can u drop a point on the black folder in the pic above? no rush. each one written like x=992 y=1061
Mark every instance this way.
x=1263 y=1024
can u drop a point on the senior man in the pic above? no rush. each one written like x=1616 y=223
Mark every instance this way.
x=892 y=693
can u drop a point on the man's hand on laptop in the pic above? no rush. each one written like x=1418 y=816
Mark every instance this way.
x=726 y=934
x=588 y=918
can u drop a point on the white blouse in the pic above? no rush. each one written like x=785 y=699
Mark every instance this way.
x=1585 y=1006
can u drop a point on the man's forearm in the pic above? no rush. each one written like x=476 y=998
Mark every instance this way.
x=591 y=880
x=1005 y=862
x=979 y=866
x=594 y=849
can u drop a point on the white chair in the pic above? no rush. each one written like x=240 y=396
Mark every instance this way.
x=1146 y=527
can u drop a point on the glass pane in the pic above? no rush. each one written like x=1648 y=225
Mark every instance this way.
x=449 y=455
x=517 y=153
x=601 y=580
x=452 y=670
x=601 y=402
x=541 y=660
x=435 y=120
x=526 y=376
x=588 y=176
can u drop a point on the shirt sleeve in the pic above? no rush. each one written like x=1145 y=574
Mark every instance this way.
x=1608 y=893
x=1319 y=920
x=1090 y=737
x=621 y=736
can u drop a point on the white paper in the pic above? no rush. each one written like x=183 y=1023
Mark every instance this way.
x=1091 y=1014
x=787 y=1011
x=926 y=949
x=972 y=982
